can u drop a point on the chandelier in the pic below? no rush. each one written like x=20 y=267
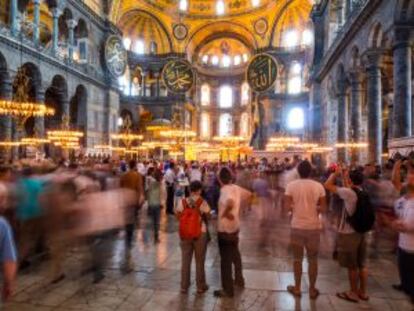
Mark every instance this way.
x=65 y=138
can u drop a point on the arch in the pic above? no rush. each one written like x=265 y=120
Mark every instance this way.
x=126 y=113
x=216 y=30
x=56 y=96
x=376 y=34
x=404 y=11
x=293 y=15
x=81 y=30
x=5 y=83
x=141 y=24
x=78 y=108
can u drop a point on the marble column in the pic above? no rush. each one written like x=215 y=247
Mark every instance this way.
x=157 y=89
x=342 y=121
x=374 y=93
x=402 y=112
x=40 y=121
x=144 y=84
x=6 y=123
x=13 y=17
x=71 y=37
x=356 y=110
x=36 y=21
x=55 y=31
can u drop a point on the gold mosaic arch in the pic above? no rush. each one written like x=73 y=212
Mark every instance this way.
x=294 y=15
x=143 y=25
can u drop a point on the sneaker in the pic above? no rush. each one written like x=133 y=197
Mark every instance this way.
x=222 y=294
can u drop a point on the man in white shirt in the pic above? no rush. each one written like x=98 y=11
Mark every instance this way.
x=404 y=209
x=305 y=198
x=228 y=233
x=351 y=245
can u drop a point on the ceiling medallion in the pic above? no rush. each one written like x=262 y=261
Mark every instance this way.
x=180 y=31
x=261 y=26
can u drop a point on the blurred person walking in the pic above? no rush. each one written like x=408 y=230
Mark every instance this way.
x=134 y=181
x=155 y=194
x=8 y=259
x=170 y=178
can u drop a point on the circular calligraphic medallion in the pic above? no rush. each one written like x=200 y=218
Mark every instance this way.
x=260 y=26
x=180 y=31
x=178 y=76
x=261 y=73
x=116 y=57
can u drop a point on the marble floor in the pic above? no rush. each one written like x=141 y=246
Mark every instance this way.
x=154 y=282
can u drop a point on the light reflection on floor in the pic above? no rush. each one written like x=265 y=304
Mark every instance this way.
x=154 y=282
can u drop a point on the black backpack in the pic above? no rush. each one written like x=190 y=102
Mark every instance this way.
x=363 y=219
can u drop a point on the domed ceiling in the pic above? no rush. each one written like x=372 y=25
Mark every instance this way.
x=207 y=8
x=256 y=23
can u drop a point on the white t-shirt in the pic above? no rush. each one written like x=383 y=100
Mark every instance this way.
x=350 y=200
x=305 y=194
x=404 y=208
x=195 y=174
x=204 y=209
x=169 y=176
x=236 y=194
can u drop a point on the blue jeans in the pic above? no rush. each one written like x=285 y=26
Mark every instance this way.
x=155 y=213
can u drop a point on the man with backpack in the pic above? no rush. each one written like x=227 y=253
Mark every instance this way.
x=358 y=217
x=192 y=213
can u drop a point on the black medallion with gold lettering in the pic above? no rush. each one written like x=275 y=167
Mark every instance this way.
x=261 y=73
x=178 y=76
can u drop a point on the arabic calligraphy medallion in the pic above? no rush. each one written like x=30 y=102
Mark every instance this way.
x=261 y=73
x=178 y=76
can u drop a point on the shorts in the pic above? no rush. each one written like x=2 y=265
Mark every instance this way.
x=352 y=250
x=304 y=239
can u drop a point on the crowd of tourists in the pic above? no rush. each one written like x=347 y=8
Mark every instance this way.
x=49 y=208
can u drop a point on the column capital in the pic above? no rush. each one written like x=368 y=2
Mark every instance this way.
x=355 y=78
x=373 y=58
x=401 y=38
x=56 y=12
x=72 y=23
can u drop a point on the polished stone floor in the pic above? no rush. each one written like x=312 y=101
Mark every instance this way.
x=154 y=282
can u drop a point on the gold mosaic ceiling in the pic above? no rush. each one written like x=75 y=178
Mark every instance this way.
x=207 y=8
x=176 y=31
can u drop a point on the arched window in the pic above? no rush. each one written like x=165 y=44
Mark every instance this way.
x=237 y=60
x=205 y=125
x=296 y=119
x=127 y=43
x=220 y=8
x=255 y=3
x=123 y=83
x=307 y=37
x=244 y=125
x=205 y=95
x=295 y=78
x=215 y=60
x=291 y=39
x=153 y=47
x=139 y=47
x=245 y=96
x=183 y=5
x=226 y=125
x=226 y=97
x=226 y=61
